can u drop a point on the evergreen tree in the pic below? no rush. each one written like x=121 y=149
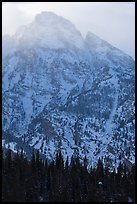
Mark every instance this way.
x=43 y=181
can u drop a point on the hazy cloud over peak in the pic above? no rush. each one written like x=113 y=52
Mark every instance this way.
x=112 y=21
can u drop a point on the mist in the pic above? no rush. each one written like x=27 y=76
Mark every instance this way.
x=112 y=21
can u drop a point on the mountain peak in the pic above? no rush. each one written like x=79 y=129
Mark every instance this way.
x=49 y=30
x=45 y=17
x=61 y=92
x=92 y=35
x=104 y=48
x=96 y=41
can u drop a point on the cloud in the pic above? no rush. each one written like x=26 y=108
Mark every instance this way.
x=12 y=18
x=112 y=21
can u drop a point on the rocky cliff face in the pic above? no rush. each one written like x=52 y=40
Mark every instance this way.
x=60 y=91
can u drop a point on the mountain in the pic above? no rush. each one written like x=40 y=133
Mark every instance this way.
x=60 y=91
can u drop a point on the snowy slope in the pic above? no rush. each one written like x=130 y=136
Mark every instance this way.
x=63 y=92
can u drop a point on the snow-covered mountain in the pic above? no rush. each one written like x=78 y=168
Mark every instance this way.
x=60 y=91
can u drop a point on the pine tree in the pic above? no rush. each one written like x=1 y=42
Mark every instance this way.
x=99 y=171
x=39 y=181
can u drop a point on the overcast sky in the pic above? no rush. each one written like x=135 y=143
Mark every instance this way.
x=112 y=21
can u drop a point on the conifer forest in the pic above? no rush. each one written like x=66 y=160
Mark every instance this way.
x=38 y=180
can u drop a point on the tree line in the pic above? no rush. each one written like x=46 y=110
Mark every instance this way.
x=39 y=180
